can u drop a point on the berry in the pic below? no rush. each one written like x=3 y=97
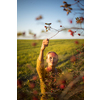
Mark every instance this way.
x=70 y=21
x=81 y=18
x=62 y=86
x=45 y=26
x=78 y=21
x=19 y=83
x=72 y=33
x=54 y=80
x=78 y=34
x=49 y=69
x=23 y=33
x=63 y=81
x=34 y=35
x=33 y=44
x=76 y=42
x=34 y=78
x=83 y=78
x=60 y=25
x=69 y=30
x=35 y=92
x=31 y=85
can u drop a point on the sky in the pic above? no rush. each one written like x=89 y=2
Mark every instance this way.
x=50 y=10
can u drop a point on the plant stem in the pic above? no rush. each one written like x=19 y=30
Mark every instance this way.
x=54 y=35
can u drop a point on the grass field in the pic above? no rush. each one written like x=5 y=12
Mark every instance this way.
x=27 y=55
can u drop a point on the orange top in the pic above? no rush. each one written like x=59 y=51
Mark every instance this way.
x=42 y=72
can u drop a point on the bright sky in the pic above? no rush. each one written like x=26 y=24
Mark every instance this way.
x=29 y=10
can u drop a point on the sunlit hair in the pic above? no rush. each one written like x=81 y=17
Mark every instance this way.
x=50 y=52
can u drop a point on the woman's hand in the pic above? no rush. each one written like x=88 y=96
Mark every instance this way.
x=44 y=44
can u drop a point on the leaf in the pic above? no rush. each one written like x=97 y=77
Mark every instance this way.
x=59 y=21
x=67 y=12
x=77 y=18
x=18 y=34
x=46 y=30
x=66 y=5
x=48 y=23
x=70 y=8
x=61 y=6
x=64 y=2
x=69 y=5
x=42 y=31
x=67 y=9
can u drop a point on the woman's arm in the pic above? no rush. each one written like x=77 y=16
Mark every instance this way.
x=44 y=45
x=40 y=61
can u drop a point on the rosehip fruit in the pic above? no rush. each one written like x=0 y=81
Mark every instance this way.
x=19 y=83
x=69 y=30
x=35 y=92
x=33 y=44
x=70 y=21
x=62 y=86
x=76 y=42
x=79 y=34
x=31 y=85
x=60 y=25
x=45 y=26
x=34 y=78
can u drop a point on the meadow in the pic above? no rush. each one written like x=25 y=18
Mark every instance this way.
x=28 y=52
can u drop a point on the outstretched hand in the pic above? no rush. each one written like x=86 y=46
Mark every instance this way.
x=44 y=44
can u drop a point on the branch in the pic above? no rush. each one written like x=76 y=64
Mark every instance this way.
x=54 y=35
x=54 y=29
x=75 y=3
x=80 y=7
x=75 y=28
x=75 y=91
x=78 y=13
x=65 y=91
x=62 y=30
x=81 y=4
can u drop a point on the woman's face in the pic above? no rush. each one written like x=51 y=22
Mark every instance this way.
x=52 y=59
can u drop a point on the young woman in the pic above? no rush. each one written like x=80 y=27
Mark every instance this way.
x=51 y=59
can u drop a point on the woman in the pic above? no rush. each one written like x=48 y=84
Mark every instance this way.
x=51 y=59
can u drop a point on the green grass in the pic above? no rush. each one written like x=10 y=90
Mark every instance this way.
x=28 y=54
x=26 y=64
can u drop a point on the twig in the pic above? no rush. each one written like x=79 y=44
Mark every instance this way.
x=65 y=91
x=54 y=35
x=81 y=4
x=62 y=30
x=77 y=90
x=80 y=7
x=74 y=3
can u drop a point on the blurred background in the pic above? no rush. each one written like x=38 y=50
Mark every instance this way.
x=33 y=14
